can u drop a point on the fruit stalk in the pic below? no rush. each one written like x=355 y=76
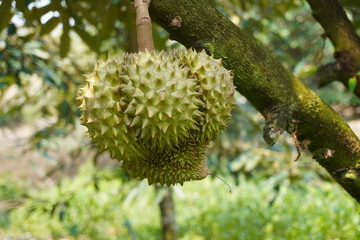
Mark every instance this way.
x=143 y=26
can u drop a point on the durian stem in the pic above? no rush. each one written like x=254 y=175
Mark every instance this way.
x=230 y=190
x=143 y=25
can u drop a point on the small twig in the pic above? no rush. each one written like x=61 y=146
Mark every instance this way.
x=230 y=190
x=292 y=129
x=297 y=145
x=320 y=53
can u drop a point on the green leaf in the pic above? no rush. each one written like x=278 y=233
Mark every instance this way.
x=35 y=49
x=356 y=23
x=37 y=13
x=115 y=2
x=3 y=85
x=50 y=76
x=352 y=84
x=350 y=3
x=109 y=20
x=65 y=110
x=20 y=5
x=5 y=13
x=8 y=78
x=15 y=64
x=65 y=42
x=11 y=29
x=92 y=41
x=49 y=26
x=83 y=11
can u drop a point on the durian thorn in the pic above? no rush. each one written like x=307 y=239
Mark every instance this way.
x=130 y=110
x=126 y=139
x=127 y=120
x=176 y=138
x=160 y=115
x=176 y=95
x=153 y=132
x=167 y=140
x=128 y=90
x=150 y=94
x=122 y=150
x=79 y=98
x=91 y=119
x=118 y=107
x=115 y=131
x=139 y=109
x=138 y=93
x=164 y=127
x=96 y=134
x=178 y=108
x=117 y=119
x=197 y=113
x=150 y=181
x=111 y=104
x=168 y=112
x=135 y=121
x=116 y=142
x=123 y=128
x=103 y=129
x=151 y=111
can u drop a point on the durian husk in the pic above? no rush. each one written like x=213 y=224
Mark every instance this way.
x=158 y=111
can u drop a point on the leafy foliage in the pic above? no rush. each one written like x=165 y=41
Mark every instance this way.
x=42 y=59
x=354 y=8
x=101 y=25
x=106 y=207
x=33 y=76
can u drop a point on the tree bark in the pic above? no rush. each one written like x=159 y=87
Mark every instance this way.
x=167 y=210
x=285 y=102
x=342 y=34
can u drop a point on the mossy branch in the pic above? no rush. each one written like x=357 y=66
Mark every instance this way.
x=271 y=88
x=339 y=29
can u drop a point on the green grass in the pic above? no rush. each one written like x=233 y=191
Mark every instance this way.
x=256 y=209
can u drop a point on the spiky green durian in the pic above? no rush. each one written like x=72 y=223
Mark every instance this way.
x=216 y=88
x=177 y=164
x=157 y=111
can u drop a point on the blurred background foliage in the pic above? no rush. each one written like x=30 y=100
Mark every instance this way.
x=54 y=184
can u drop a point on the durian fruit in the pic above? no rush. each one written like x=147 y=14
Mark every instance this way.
x=216 y=88
x=177 y=164
x=157 y=111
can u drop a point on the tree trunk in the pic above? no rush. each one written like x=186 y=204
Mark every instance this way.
x=342 y=34
x=167 y=210
x=285 y=102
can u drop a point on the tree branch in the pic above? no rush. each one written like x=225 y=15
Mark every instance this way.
x=283 y=100
x=332 y=17
x=167 y=212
